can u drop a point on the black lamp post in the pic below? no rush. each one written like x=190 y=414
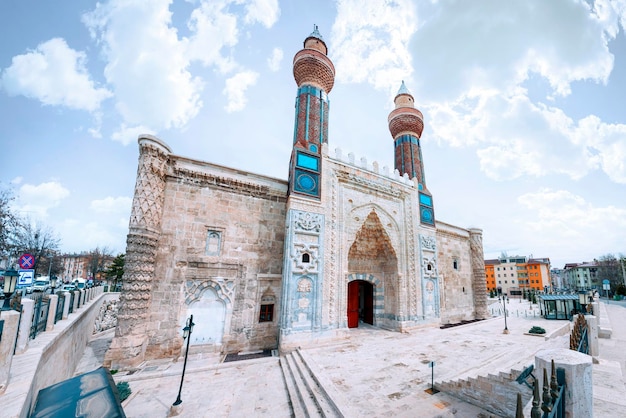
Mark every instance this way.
x=53 y=284
x=186 y=335
x=10 y=282
x=503 y=301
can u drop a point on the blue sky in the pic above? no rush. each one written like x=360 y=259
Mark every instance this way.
x=525 y=128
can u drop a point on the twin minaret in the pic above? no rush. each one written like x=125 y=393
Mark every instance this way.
x=314 y=73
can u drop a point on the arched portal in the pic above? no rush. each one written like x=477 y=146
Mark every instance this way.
x=371 y=255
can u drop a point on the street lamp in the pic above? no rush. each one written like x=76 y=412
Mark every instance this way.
x=186 y=335
x=504 y=301
x=53 y=284
x=582 y=300
x=10 y=282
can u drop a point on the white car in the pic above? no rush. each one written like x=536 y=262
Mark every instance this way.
x=41 y=286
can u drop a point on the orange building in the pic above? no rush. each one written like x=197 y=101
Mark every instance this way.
x=514 y=275
x=489 y=274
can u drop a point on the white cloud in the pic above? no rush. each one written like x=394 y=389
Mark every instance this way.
x=235 y=89
x=514 y=137
x=274 y=60
x=54 y=74
x=147 y=65
x=78 y=235
x=214 y=29
x=36 y=200
x=370 y=42
x=112 y=205
x=264 y=11
x=128 y=134
x=497 y=45
x=566 y=221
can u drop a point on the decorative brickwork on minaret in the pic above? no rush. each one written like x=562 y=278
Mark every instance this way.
x=128 y=347
x=315 y=75
x=406 y=124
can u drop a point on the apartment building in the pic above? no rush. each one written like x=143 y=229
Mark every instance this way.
x=513 y=275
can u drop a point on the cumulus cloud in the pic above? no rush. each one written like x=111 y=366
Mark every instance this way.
x=370 y=42
x=146 y=63
x=149 y=64
x=265 y=12
x=560 y=213
x=236 y=87
x=112 y=205
x=274 y=60
x=36 y=200
x=130 y=134
x=54 y=74
x=461 y=47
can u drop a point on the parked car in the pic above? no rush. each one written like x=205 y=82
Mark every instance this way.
x=24 y=287
x=68 y=287
x=41 y=286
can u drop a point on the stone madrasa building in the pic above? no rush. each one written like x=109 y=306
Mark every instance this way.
x=264 y=263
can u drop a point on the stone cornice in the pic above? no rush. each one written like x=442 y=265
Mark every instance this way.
x=226 y=183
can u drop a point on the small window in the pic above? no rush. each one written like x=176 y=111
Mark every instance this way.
x=213 y=242
x=306 y=258
x=455 y=264
x=429 y=267
x=267 y=313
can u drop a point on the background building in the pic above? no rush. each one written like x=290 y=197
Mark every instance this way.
x=513 y=275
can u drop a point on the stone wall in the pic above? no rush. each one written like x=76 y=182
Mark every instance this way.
x=220 y=249
x=455 y=269
x=51 y=358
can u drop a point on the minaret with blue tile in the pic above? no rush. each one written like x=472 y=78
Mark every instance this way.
x=314 y=73
x=406 y=124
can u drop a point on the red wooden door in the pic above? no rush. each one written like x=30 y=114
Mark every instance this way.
x=353 y=304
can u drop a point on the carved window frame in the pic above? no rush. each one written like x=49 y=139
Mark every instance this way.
x=213 y=234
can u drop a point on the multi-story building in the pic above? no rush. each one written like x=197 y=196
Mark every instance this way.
x=538 y=270
x=513 y=275
x=490 y=275
x=74 y=265
x=582 y=276
x=557 y=279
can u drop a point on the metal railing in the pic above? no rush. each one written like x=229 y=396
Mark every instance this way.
x=59 y=312
x=72 y=296
x=40 y=315
x=552 y=403
x=578 y=340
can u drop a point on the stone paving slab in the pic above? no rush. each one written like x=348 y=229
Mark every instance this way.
x=380 y=373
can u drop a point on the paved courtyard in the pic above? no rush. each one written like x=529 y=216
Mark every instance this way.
x=378 y=373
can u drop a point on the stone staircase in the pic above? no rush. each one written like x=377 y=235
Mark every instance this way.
x=497 y=393
x=309 y=393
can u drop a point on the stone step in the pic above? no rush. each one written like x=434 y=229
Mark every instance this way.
x=325 y=406
x=292 y=389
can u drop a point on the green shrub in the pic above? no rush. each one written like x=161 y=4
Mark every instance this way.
x=123 y=389
x=537 y=330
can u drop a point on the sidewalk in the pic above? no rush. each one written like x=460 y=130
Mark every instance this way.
x=379 y=372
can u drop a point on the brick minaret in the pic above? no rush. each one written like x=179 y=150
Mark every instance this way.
x=406 y=124
x=315 y=75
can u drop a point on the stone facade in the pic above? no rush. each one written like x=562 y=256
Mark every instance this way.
x=263 y=263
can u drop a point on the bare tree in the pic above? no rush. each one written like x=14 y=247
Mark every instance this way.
x=9 y=223
x=36 y=239
x=609 y=269
x=98 y=261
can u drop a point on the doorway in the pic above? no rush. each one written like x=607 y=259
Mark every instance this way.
x=360 y=303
